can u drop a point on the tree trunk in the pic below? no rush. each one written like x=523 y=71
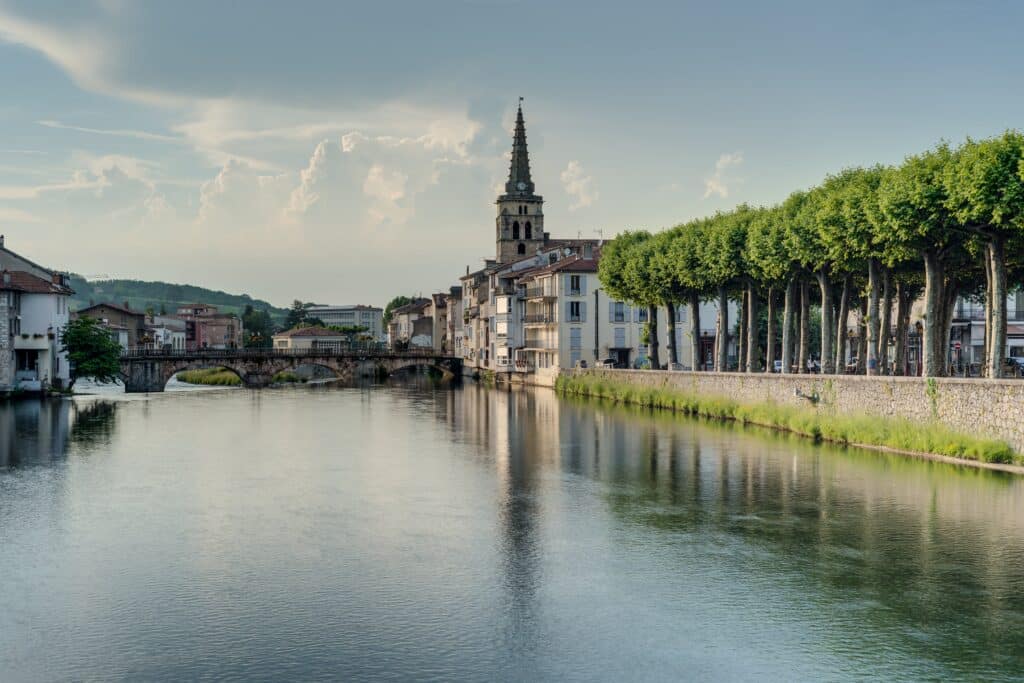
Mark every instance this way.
x=933 y=284
x=872 y=330
x=769 y=354
x=842 y=325
x=697 y=357
x=827 y=323
x=997 y=257
x=753 y=336
x=885 y=323
x=950 y=291
x=862 y=337
x=987 y=348
x=805 y=326
x=788 y=309
x=722 y=362
x=741 y=332
x=670 y=319
x=903 y=304
x=652 y=339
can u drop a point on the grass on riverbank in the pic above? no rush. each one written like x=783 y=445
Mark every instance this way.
x=211 y=376
x=225 y=378
x=862 y=430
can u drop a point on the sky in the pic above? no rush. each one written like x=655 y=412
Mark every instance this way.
x=344 y=152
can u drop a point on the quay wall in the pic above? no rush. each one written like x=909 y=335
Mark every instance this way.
x=979 y=407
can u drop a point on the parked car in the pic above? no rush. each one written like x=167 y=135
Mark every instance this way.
x=777 y=366
x=606 y=363
x=678 y=367
x=581 y=364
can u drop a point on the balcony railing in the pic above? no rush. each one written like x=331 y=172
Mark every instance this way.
x=537 y=343
x=538 y=292
x=539 y=318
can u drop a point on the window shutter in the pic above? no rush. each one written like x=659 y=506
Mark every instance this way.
x=611 y=310
x=636 y=314
x=583 y=311
x=583 y=285
x=568 y=310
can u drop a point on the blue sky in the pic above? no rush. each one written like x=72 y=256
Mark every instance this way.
x=343 y=152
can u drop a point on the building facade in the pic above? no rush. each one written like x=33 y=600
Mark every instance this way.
x=539 y=307
x=123 y=322
x=370 y=317
x=34 y=310
x=207 y=328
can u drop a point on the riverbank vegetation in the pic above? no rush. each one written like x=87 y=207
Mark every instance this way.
x=945 y=223
x=222 y=377
x=856 y=430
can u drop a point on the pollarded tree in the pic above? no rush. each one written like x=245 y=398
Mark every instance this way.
x=680 y=253
x=767 y=252
x=721 y=256
x=985 y=192
x=846 y=228
x=625 y=278
x=803 y=241
x=914 y=203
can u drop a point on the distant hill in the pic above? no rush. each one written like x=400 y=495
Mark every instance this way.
x=159 y=296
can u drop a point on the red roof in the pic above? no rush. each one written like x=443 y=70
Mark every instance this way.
x=116 y=307
x=20 y=281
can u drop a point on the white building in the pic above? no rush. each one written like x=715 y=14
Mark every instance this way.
x=307 y=338
x=166 y=332
x=370 y=317
x=35 y=313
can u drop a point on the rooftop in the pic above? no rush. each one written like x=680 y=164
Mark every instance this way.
x=20 y=281
x=309 y=332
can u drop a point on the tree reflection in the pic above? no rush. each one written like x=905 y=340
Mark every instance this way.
x=39 y=432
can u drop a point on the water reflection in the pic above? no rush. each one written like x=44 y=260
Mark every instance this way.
x=919 y=558
x=40 y=432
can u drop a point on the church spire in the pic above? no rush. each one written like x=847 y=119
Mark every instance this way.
x=519 y=182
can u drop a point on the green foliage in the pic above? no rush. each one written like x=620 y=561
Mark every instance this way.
x=259 y=328
x=858 y=430
x=161 y=296
x=397 y=302
x=210 y=376
x=287 y=377
x=91 y=350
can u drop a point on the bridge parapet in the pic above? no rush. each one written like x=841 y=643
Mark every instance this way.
x=148 y=370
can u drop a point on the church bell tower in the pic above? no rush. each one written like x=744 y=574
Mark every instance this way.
x=520 y=222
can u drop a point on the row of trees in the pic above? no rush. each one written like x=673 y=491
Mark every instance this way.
x=945 y=223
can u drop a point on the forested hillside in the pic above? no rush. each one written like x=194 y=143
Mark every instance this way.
x=162 y=296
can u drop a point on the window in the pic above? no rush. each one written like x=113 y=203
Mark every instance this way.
x=515 y=230
x=642 y=315
x=501 y=304
x=576 y=338
x=501 y=328
x=521 y=249
x=574 y=285
x=529 y=231
x=618 y=312
x=575 y=314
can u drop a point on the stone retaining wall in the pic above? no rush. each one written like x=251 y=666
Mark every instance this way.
x=993 y=408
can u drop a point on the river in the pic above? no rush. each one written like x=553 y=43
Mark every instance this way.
x=413 y=531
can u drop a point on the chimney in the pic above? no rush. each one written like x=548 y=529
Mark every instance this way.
x=1 y=241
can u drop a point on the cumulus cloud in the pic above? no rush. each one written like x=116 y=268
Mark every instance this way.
x=579 y=186
x=718 y=182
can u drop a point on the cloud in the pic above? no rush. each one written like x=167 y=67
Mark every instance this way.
x=717 y=183
x=579 y=186
x=116 y=132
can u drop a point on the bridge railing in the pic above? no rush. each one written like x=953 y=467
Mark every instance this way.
x=356 y=349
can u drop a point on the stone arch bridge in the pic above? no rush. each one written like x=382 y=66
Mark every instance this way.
x=148 y=370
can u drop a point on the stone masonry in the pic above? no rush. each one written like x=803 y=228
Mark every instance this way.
x=991 y=408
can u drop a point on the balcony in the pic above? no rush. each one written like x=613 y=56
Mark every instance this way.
x=539 y=344
x=539 y=293
x=539 y=318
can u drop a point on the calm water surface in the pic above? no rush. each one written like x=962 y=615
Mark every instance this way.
x=411 y=532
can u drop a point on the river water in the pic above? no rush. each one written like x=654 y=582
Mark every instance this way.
x=418 y=532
